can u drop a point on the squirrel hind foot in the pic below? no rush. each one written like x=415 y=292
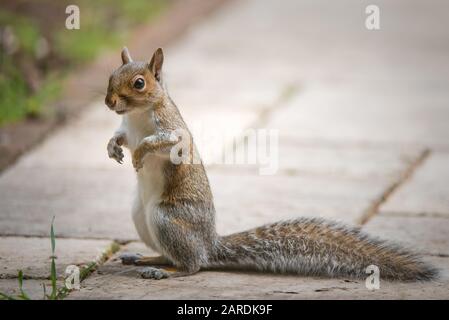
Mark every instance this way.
x=153 y=273
x=158 y=274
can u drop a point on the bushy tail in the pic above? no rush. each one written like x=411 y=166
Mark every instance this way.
x=320 y=248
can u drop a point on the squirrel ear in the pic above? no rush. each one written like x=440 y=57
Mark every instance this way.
x=156 y=64
x=126 y=57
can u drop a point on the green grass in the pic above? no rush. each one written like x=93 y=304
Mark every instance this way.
x=96 y=25
x=58 y=293
x=15 y=101
x=25 y=30
x=104 y=24
x=139 y=11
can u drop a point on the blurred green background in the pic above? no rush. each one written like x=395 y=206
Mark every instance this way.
x=37 y=51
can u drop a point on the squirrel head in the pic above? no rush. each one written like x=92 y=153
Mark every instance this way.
x=135 y=86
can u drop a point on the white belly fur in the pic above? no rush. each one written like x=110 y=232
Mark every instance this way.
x=150 y=186
x=150 y=180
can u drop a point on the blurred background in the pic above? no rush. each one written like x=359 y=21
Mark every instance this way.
x=37 y=50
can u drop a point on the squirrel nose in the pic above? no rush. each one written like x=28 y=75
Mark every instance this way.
x=110 y=102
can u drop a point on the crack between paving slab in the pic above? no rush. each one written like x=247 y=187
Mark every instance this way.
x=331 y=289
x=40 y=236
x=25 y=277
x=286 y=94
x=373 y=209
x=439 y=255
x=305 y=142
x=415 y=215
x=100 y=260
x=85 y=273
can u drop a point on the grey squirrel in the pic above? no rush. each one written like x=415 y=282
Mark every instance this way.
x=174 y=210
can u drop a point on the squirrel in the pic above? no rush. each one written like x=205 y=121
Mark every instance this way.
x=174 y=213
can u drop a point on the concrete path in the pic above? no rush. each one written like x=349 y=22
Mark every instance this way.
x=363 y=130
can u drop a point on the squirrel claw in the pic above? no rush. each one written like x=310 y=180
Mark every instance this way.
x=115 y=151
x=117 y=158
x=153 y=273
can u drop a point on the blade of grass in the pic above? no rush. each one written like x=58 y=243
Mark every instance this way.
x=4 y=296
x=23 y=294
x=44 y=288
x=87 y=270
x=52 y=236
x=62 y=293
x=54 y=289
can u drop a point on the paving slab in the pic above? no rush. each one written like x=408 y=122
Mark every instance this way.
x=246 y=201
x=421 y=234
x=427 y=192
x=33 y=288
x=91 y=203
x=330 y=181
x=291 y=156
x=115 y=281
x=345 y=161
x=32 y=255
x=79 y=144
x=407 y=100
x=343 y=113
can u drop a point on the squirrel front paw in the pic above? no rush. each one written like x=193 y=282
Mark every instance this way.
x=130 y=258
x=138 y=155
x=114 y=150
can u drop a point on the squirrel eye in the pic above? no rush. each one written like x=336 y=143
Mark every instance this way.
x=139 y=83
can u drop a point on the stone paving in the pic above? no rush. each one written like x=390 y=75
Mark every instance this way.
x=363 y=130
